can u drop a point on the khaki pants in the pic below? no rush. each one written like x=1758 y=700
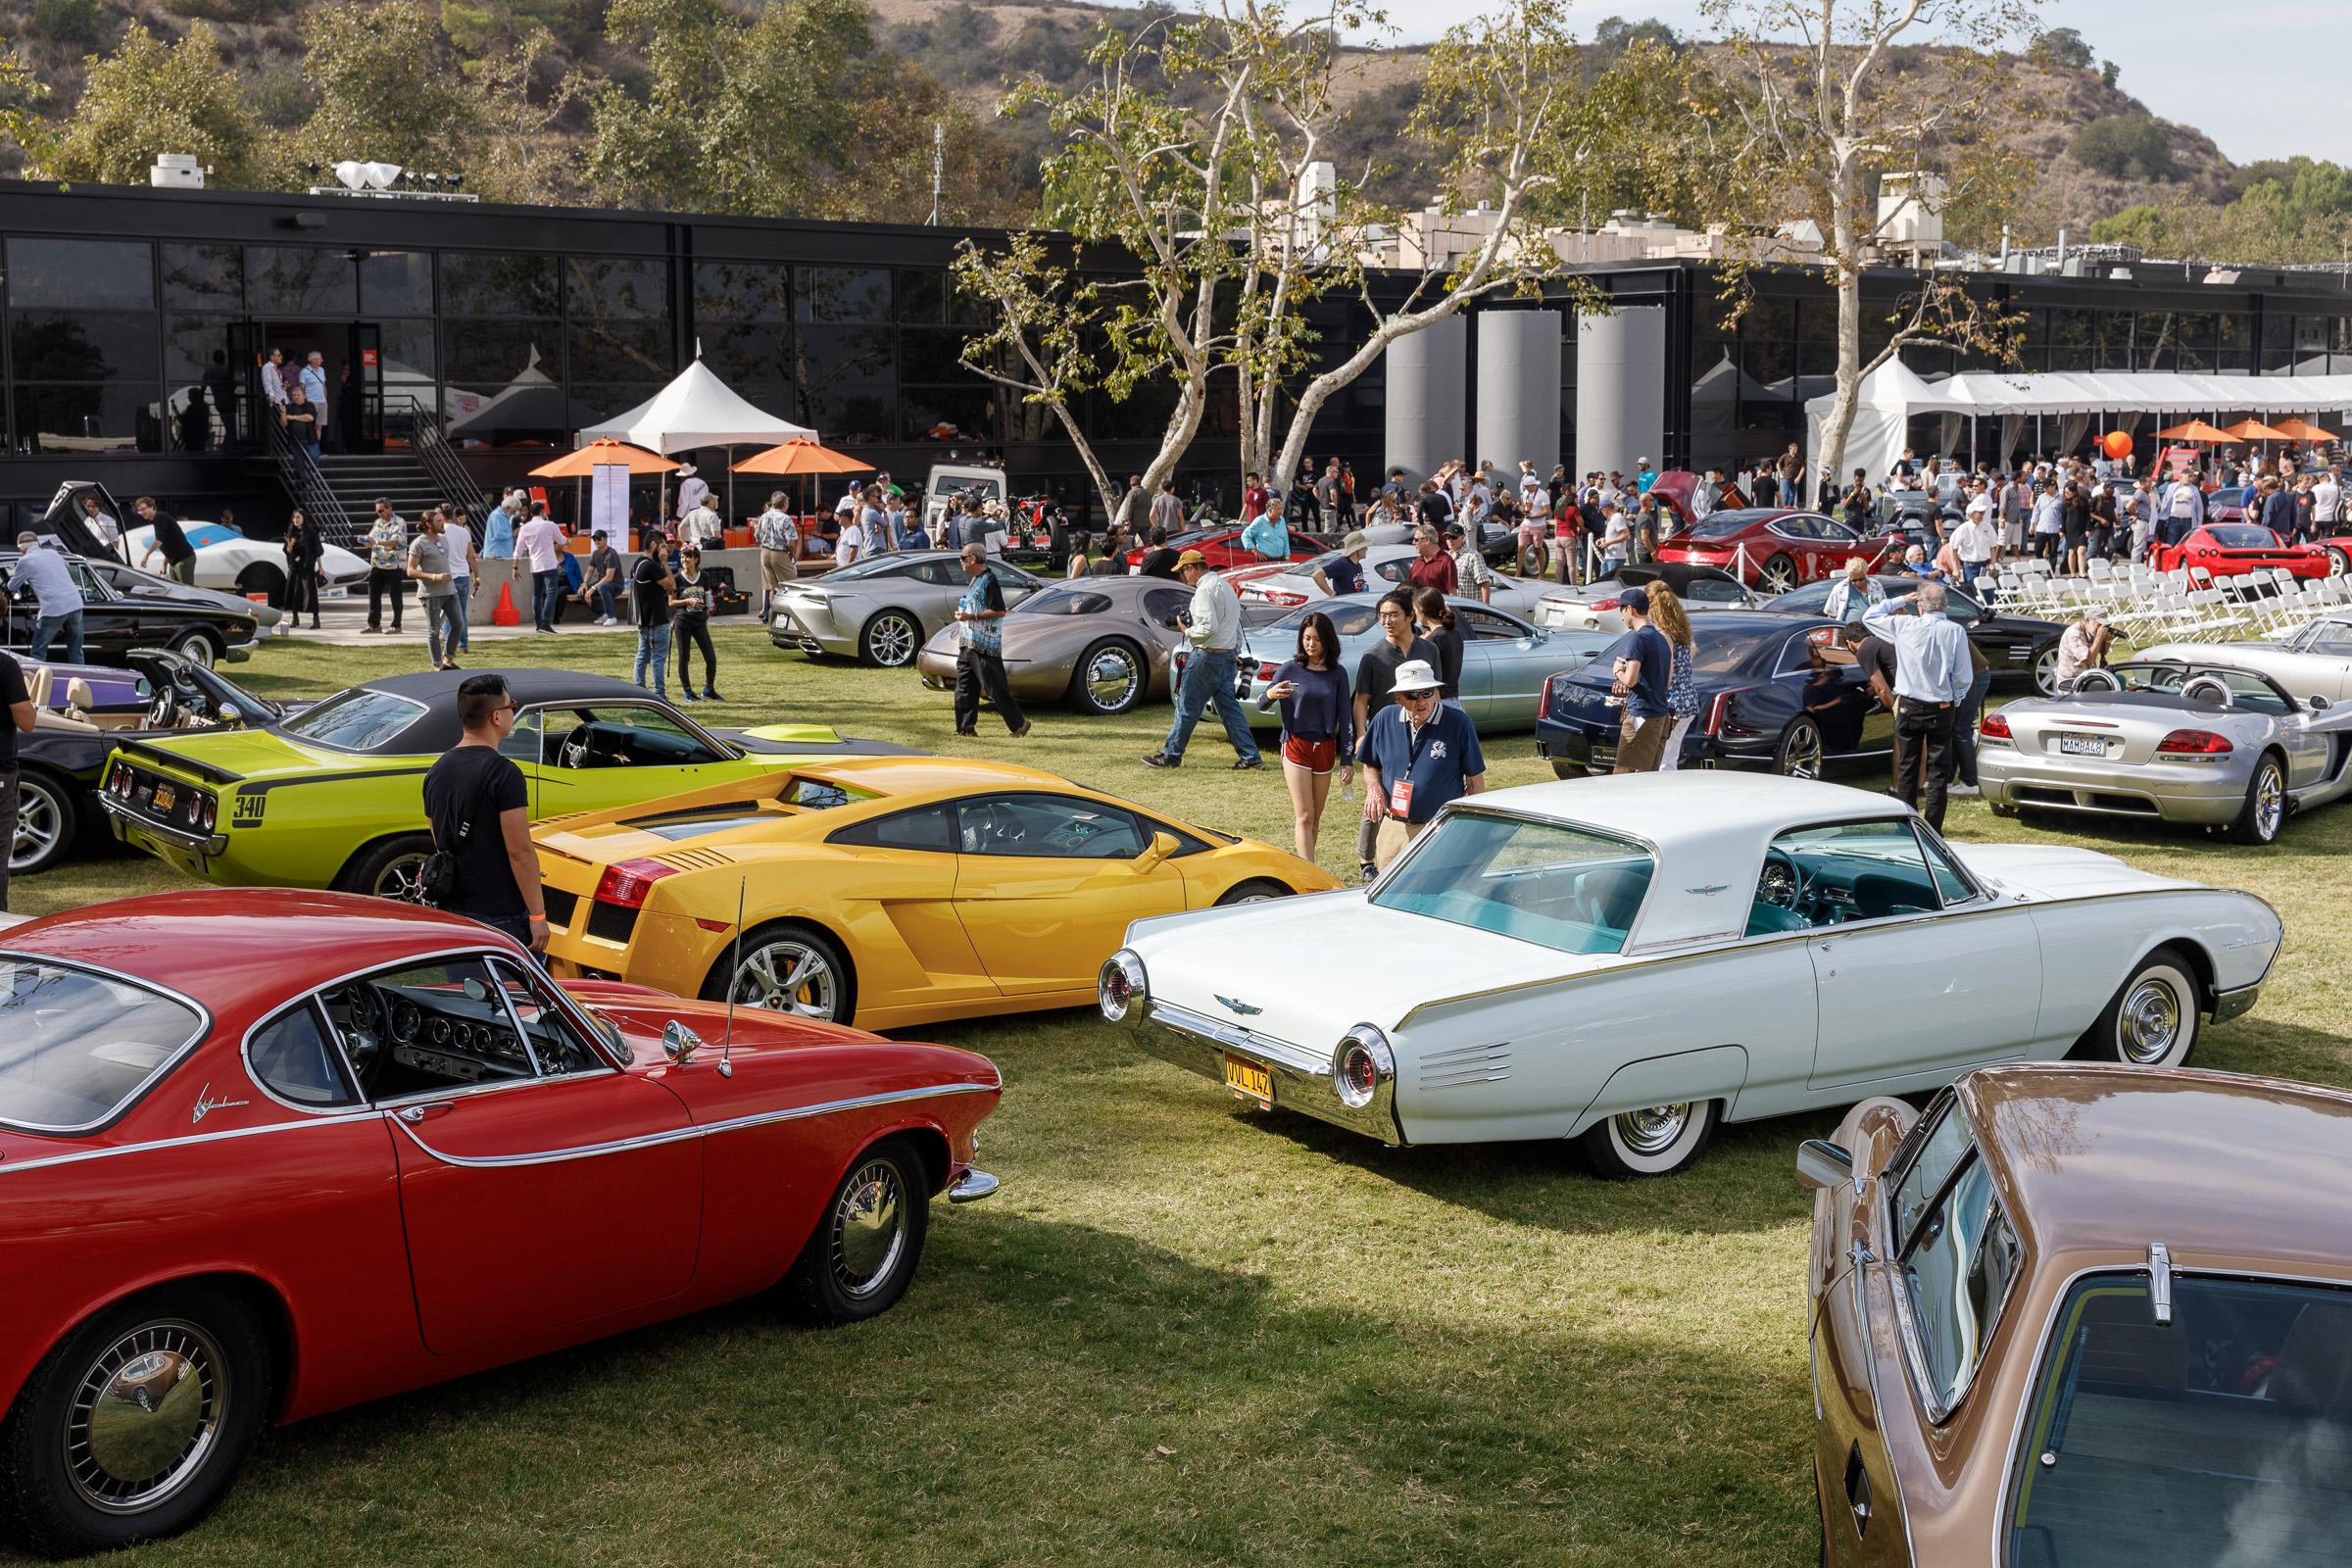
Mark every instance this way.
x=1642 y=743
x=1394 y=834
x=776 y=566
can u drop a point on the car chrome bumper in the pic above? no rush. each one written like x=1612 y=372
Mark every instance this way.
x=2229 y=1004
x=1301 y=1078
x=205 y=844
x=973 y=1186
x=2170 y=794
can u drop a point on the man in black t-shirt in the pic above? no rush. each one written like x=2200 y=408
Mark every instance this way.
x=649 y=603
x=1375 y=682
x=1160 y=560
x=19 y=702
x=179 y=556
x=479 y=808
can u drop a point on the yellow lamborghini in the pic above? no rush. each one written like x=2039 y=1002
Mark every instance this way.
x=884 y=890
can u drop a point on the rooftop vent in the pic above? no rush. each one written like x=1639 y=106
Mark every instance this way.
x=178 y=172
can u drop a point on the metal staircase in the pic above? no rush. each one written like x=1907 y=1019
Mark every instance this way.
x=306 y=482
x=338 y=491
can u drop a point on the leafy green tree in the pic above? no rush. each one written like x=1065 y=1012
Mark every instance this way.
x=151 y=97
x=2132 y=146
x=20 y=91
x=387 y=89
x=2064 y=48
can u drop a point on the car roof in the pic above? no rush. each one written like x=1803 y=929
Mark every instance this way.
x=438 y=729
x=2094 y=1162
x=227 y=947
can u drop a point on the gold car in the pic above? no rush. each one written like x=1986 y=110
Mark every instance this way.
x=888 y=890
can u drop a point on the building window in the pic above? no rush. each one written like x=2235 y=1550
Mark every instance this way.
x=87 y=419
x=298 y=280
x=741 y=291
x=81 y=275
x=473 y=285
x=624 y=289
x=204 y=278
x=396 y=282
x=842 y=293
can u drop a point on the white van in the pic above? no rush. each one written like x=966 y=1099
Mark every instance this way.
x=949 y=479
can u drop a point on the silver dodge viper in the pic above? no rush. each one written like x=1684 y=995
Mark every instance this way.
x=2180 y=740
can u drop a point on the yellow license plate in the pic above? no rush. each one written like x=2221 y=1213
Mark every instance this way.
x=164 y=797
x=1249 y=1080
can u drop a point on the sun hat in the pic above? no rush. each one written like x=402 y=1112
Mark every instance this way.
x=1191 y=557
x=1415 y=676
x=1353 y=542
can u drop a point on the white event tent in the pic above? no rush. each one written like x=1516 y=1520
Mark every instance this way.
x=1894 y=393
x=696 y=410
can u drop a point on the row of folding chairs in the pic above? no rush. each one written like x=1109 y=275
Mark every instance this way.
x=2190 y=605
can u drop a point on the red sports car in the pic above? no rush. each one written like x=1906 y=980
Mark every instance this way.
x=2232 y=549
x=1774 y=549
x=1223 y=546
x=265 y=1153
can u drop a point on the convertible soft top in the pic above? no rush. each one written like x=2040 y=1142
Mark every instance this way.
x=439 y=730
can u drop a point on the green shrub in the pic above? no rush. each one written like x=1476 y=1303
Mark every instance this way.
x=2126 y=147
x=69 y=21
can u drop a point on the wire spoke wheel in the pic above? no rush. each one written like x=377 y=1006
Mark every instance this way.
x=144 y=1414
x=868 y=1229
x=788 y=976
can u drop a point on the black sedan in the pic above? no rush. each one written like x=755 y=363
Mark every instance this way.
x=2018 y=647
x=1768 y=699
x=117 y=619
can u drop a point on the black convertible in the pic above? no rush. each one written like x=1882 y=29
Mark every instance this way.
x=120 y=613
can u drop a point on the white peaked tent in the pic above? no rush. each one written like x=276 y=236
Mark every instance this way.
x=697 y=409
x=1888 y=396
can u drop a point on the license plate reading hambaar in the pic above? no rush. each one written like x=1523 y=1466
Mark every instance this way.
x=2082 y=745
x=1249 y=1081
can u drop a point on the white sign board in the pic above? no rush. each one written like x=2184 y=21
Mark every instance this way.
x=608 y=503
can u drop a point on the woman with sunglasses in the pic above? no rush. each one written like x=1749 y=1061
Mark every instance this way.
x=1318 y=727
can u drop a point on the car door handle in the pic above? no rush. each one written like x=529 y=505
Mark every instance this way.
x=413 y=1114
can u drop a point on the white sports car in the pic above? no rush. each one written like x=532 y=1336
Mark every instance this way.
x=2315 y=659
x=1627 y=962
x=227 y=559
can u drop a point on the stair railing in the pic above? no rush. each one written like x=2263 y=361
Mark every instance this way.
x=307 y=486
x=440 y=459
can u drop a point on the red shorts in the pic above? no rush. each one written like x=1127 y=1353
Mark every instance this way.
x=1316 y=757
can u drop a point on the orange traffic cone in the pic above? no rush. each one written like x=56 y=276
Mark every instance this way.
x=505 y=614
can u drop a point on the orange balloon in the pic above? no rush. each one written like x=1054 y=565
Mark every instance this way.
x=2117 y=443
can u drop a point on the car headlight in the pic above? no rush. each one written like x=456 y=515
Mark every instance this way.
x=1122 y=988
x=1358 y=1064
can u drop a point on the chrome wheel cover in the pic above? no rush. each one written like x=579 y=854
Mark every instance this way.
x=1804 y=753
x=787 y=976
x=400 y=880
x=893 y=640
x=2270 y=801
x=1111 y=678
x=2147 y=1026
x=1653 y=1131
x=144 y=1415
x=869 y=1229
x=40 y=823
x=198 y=651
x=1777 y=579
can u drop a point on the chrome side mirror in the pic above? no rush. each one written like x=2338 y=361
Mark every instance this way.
x=230 y=714
x=2319 y=704
x=1821 y=1163
x=679 y=1043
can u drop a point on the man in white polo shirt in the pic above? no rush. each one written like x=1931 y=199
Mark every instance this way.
x=1972 y=541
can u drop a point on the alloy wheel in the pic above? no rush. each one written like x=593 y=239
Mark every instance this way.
x=1800 y=754
x=891 y=641
x=144 y=1414
x=402 y=879
x=789 y=976
x=1779 y=577
x=2269 y=801
x=40 y=823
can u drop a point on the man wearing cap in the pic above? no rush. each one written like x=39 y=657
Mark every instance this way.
x=1471 y=574
x=60 y=603
x=1213 y=626
x=1419 y=753
x=602 y=579
x=1343 y=571
x=1642 y=664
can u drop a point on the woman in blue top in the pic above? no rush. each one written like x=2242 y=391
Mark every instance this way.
x=1666 y=613
x=1318 y=726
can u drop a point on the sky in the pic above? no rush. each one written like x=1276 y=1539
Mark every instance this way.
x=2183 y=62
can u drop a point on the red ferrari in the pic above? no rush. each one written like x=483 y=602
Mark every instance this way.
x=267 y=1153
x=2234 y=549
x=1223 y=548
x=1774 y=549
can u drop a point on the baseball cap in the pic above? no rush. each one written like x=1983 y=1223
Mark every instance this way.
x=1635 y=600
x=1415 y=676
x=1454 y=531
x=1191 y=557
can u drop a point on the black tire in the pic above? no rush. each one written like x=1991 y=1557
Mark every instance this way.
x=262 y=578
x=200 y=648
x=1113 y=676
x=48 y=815
x=388 y=869
x=777 y=953
x=1800 y=753
x=2152 y=1021
x=863 y=1255
x=1656 y=1141
x=891 y=640
x=1561 y=769
x=1258 y=890
x=1778 y=575
x=2043 y=669
x=2265 y=810
x=184 y=1368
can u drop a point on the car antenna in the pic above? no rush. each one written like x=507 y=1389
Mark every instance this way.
x=726 y=1045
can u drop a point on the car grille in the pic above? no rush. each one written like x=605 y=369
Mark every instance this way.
x=612 y=922
x=560 y=907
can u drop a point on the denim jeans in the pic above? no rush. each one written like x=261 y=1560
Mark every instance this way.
x=463 y=632
x=652 y=648
x=547 y=598
x=603 y=592
x=443 y=620
x=45 y=630
x=1208 y=678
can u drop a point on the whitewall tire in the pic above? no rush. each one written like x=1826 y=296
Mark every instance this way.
x=1657 y=1140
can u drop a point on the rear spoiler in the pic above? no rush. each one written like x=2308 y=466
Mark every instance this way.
x=141 y=752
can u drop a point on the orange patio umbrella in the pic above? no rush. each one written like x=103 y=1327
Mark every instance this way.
x=600 y=454
x=2255 y=431
x=803 y=457
x=2305 y=430
x=2194 y=430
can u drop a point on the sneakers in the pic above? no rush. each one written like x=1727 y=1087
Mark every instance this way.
x=1249 y=763
x=1163 y=759
x=688 y=697
x=710 y=696
x=1366 y=871
x=1958 y=788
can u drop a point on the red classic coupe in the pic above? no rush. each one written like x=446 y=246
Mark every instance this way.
x=1224 y=548
x=265 y=1153
x=2234 y=549
x=1774 y=549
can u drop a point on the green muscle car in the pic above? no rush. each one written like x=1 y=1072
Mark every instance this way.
x=333 y=797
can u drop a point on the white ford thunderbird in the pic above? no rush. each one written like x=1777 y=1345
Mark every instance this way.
x=1627 y=962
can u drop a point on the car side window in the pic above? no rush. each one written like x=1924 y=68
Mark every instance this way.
x=1849 y=871
x=621 y=735
x=1954 y=1270
x=1048 y=826
x=426 y=1028
x=1707 y=590
x=1484 y=627
x=941 y=573
x=925 y=827
x=1797 y=655
x=1951 y=883
x=1163 y=605
x=1395 y=570
x=92 y=591
x=1010 y=578
x=556 y=1044
x=2252 y=692
x=292 y=1056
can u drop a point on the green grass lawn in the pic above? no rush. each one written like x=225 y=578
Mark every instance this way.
x=1185 y=1332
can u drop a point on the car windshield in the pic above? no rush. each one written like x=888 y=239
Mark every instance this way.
x=2218 y=1440
x=2329 y=637
x=1064 y=602
x=871 y=566
x=1554 y=886
x=77 y=1047
x=2246 y=690
x=2242 y=536
x=360 y=720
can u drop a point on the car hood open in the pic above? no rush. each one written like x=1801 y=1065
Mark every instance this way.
x=1367 y=965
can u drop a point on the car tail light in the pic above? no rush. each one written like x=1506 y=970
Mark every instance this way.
x=1284 y=599
x=1363 y=1059
x=1713 y=724
x=1997 y=726
x=2194 y=742
x=205 y=812
x=627 y=882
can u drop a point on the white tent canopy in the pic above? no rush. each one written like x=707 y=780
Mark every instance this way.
x=697 y=409
x=1883 y=414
